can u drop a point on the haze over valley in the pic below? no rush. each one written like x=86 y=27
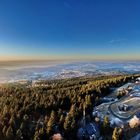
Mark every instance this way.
x=44 y=70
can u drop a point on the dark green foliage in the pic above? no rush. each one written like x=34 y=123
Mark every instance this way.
x=37 y=112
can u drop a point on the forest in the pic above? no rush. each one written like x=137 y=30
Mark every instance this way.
x=38 y=112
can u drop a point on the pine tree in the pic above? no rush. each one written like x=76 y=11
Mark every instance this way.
x=67 y=123
x=106 y=126
x=9 y=133
x=117 y=134
x=51 y=122
x=73 y=111
x=36 y=135
x=4 y=130
x=106 y=123
x=19 y=134
x=61 y=122
x=39 y=134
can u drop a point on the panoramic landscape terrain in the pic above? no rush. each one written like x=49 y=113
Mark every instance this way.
x=69 y=100
x=44 y=70
x=69 y=70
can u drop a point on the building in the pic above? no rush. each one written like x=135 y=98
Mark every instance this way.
x=124 y=107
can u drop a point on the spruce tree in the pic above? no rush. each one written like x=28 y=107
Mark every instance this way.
x=117 y=134
x=51 y=122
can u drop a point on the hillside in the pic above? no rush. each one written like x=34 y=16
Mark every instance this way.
x=38 y=111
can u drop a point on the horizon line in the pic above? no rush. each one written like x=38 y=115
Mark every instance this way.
x=92 y=59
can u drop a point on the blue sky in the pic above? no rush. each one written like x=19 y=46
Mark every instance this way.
x=72 y=29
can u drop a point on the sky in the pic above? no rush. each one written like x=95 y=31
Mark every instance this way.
x=69 y=29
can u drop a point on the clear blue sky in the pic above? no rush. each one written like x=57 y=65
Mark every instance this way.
x=84 y=29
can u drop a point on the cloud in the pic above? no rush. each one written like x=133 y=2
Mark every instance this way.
x=114 y=41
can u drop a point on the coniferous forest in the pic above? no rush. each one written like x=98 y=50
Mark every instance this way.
x=38 y=111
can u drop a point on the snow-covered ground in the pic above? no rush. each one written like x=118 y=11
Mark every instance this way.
x=13 y=71
x=111 y=109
